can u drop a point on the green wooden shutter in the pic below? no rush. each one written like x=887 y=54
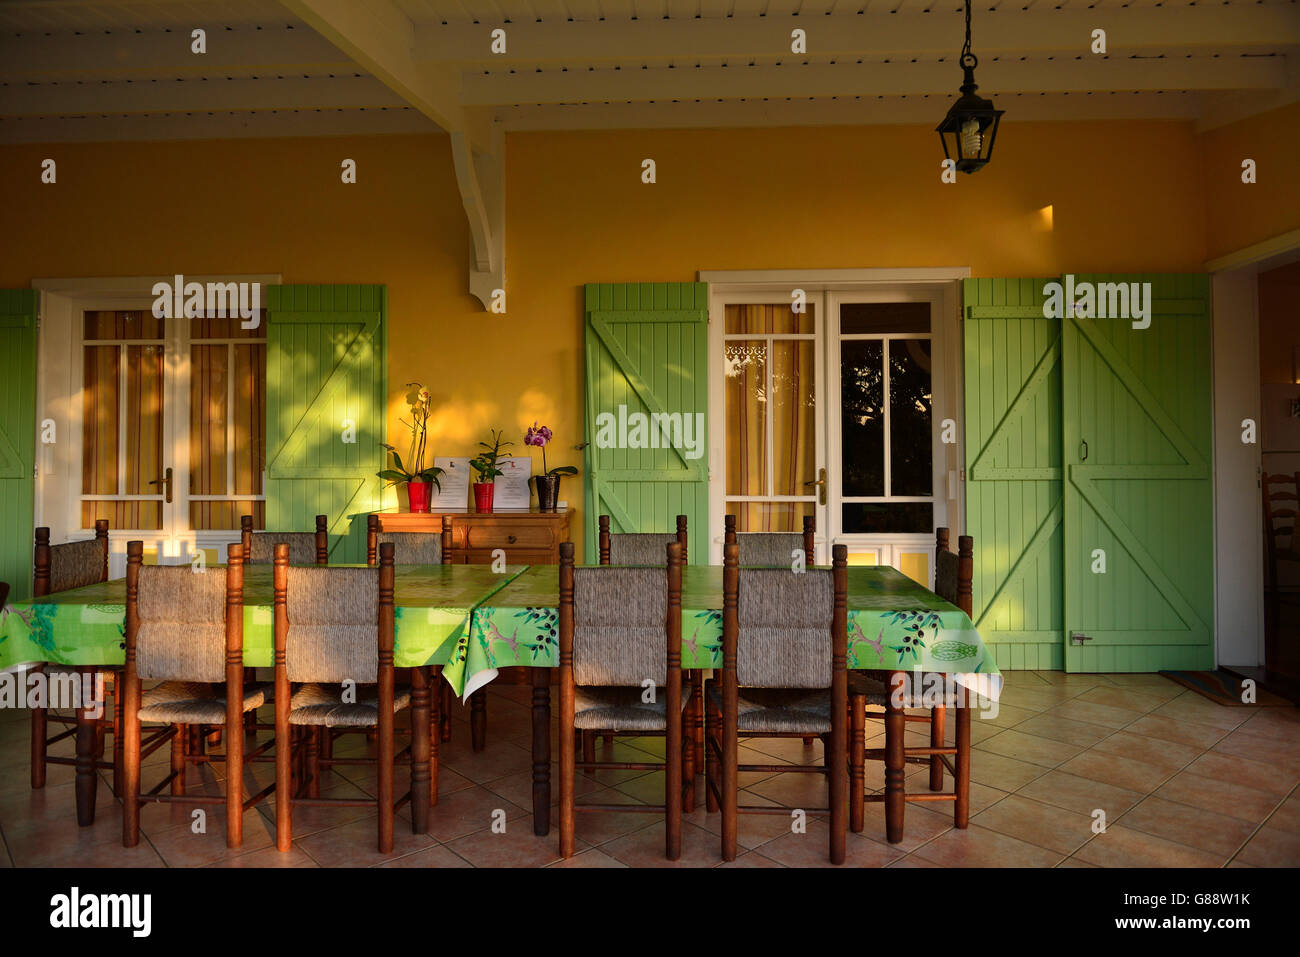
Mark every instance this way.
x=1141 y=400
x=1037 y=389
x=1013 y=470
x=17 y=436
x=325 y=368
x=647 y=350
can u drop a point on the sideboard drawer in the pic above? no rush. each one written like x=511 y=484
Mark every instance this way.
x=514 y=556
x=509 y=535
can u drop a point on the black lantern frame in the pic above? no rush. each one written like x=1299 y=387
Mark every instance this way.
x=971 y=126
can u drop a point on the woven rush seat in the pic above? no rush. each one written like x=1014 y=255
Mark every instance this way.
x=778 y=710
x=621 y=709
x=192 y=702
x=321 y=705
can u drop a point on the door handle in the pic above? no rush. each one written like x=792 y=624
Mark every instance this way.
x=166 y=483
x=820 y=484
x=1085 y=450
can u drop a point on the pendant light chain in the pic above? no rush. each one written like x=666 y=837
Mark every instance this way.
x=965 y=50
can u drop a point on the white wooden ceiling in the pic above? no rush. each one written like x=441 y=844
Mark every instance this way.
x=86 y=69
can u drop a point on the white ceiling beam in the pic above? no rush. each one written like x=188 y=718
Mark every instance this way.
x=872 y=79
x=381 y=38
x=842 y=112
x=172 y=96
x=876 y=33
x=122 y=53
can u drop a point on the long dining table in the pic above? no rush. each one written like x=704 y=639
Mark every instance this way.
x=469 y=621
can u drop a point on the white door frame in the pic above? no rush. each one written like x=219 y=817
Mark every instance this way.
x=58 y=394
x=941 y=285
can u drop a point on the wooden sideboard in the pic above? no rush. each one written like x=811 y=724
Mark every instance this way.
x=528 y=537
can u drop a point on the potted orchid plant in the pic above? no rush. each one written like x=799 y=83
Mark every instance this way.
x=485 y=466
x=548 y=483
x=413 y=472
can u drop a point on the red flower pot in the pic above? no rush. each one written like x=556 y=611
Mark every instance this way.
x=417 y=494
x=483 y=496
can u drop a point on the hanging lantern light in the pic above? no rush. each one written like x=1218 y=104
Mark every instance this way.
x=968 y=131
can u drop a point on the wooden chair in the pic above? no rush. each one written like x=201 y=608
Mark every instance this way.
x=638 y=548
x=185 y=629
x=415 y=548
x=772 y=549
x=952 y=582
x=59 y=568
x=336 y=625
x=1281 y=505
x=428 y=548
x=647 y=548
x=784 y=645
x=621 y=627
x=305 y=548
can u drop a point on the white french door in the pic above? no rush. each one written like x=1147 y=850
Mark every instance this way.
x=160 y=426
x=871 y=379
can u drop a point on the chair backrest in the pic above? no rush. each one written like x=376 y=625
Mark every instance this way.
x=953 y=574
x=183 y=624
x=1281 y=505
x=782 y=629
x=334 y=624
x=411 y=548
x=639 y=548
x=305 y=548
x=772 y=549
x=70 y=565
x=621 y=625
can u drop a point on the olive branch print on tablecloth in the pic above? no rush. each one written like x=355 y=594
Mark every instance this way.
x=914 y=625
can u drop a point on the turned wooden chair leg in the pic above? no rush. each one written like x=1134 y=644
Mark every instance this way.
x=119 y=750
x=589 y=746
x=711 y=724
x=180 y=744
x=961 y=787
x=39 y=734
x=937 y=730
x=688 y=764
x=313 y=760
x=857 y=762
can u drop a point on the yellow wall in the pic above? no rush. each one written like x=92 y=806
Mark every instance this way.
x=1124 y=197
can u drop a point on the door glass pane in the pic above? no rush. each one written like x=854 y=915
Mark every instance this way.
x=794 y=416
x=910 y=450
x=209 y=392
x=227 y=411
x=863 y=417
x=879 y=318
x=118 y=324
x=767 y=318
x=887 y=517
x=746 y=389
x=770 y=516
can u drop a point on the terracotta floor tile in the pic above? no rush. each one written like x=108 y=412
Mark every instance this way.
x=1200 y=736
x=1261 y=776
x=356 y=844
x=920 y=824
x=1079 y=794
x=1222 y=797
x=1014 y=743
x=592 y=857
x=911 y=860
x=1272 y=847
x=467 y=811
x=645 y=848
x=1075 y=862
x=1008 y=716
x=1268 y=749
x=1184 y=824
x=1127 y=699
x=751 y=859
x=1153 y=751
x=179 y=846
x=1094 y=712
x=1282 y=721
x=436 y=856
x=518 y=847
x=1287 y=817
x=1125 y=847
x=812 y=849
x=1079 y=733
x=1006 y=774
x=1157 y=685
x=268 y=857
x=1036 y=823
x=980 y=847
x=752 y=829
x=1119 y=771
x=1190 y=706
x=793 y=790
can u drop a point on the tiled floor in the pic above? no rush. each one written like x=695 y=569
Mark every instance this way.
x=1180 y=780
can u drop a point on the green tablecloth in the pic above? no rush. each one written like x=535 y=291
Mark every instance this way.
x=85 y=626
x=894 y=625
x=473 y=621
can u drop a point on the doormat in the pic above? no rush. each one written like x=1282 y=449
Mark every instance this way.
x=1223 y=688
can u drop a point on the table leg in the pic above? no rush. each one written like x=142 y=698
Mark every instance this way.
x=420 y=750
x=895 y=727
x=478 y=719
x=87 y=738
x=541 y=751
